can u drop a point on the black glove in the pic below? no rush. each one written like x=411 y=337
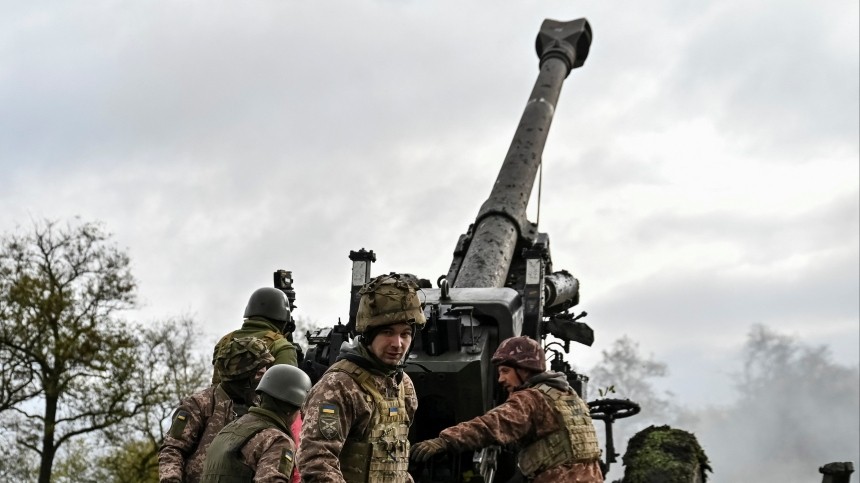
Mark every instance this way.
x=425 y=449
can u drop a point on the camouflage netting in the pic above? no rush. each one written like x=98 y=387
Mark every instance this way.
x=661 y=454
x=242 y=357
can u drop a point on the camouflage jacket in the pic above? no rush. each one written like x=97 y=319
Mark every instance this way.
x=524 y=418
x=318 y=455
x=269 y=453
x=282 y=350
x=195 y=423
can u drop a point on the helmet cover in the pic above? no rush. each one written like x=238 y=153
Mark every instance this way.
x=386 y=300
x=521 y=352
x=242 y=357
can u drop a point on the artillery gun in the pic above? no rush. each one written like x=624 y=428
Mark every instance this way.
x=500 y=284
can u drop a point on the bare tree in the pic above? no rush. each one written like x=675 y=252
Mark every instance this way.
x=173 y=371
x=631 y=376
x=624 y=373
x=69 y=364
x=16 y=463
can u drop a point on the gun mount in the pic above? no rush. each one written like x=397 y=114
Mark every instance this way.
x=500 y=284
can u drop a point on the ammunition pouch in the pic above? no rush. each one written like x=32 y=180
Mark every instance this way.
x=355 y=460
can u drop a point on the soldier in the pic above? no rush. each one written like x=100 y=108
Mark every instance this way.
x=267 y=316
x=357 y=416
x=200 y=416
x=259 y=446
x=542 y=414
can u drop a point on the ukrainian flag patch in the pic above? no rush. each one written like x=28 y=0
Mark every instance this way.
x=286 y=466
x=180 y=419
x=329 y=421
x=392 y=411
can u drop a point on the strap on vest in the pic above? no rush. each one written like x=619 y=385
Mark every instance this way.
x=567 y=444
x=372 y=459
x=360 y=376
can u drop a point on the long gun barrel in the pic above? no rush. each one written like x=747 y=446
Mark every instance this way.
x=501 y=221
x=500 y=284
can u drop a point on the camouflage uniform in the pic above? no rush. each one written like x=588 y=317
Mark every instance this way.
x=524 y=418
x=543 y=416
x=265 y=452
x=282 y=349
x=357 y=416
x=195 y=424
x=200 y=417
x=347 y=411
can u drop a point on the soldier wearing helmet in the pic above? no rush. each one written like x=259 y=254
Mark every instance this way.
x=260 y=446
x=543 y=415
x=199 y=417
x=357 y=416
x=267 y=316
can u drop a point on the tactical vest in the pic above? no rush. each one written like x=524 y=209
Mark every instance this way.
x=382 y=453
x=225 y=464
x=575 y=442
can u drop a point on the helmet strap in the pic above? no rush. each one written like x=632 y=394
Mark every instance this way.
x=402 y=365
x=525 y=375
x=368 y=335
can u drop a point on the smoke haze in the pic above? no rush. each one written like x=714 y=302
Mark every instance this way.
x=795 y=411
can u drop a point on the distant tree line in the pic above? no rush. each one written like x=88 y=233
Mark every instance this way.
x=83 y=392
x=795 y=410
x=85 y=395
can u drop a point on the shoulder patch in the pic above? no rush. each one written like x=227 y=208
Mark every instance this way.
x=329 y=421
x=180 y=419
x=286 y=464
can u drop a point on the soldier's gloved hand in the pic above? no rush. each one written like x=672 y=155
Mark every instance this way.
x=425 y=449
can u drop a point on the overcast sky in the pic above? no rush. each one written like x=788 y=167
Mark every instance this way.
x=701 y=173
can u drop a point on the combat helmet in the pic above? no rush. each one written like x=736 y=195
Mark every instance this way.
x=270 y=303
x=286 y=383
x=521 y=352
x=388 y=299
x=242 y=357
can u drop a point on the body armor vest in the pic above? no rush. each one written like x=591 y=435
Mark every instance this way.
x=382 y=453
x=225 y=465
x=575 y=442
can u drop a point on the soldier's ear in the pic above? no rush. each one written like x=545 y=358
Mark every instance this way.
x=522 y=374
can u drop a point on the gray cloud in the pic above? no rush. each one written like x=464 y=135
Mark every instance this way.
x=700 y=174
